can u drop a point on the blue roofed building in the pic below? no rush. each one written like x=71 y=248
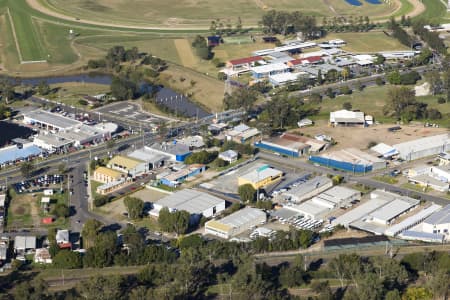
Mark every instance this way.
x=12 y=154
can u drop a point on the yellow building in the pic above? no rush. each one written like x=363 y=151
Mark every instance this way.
x=105 y=175
x=128 y=165
x=261 y=177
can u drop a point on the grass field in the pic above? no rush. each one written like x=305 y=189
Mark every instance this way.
x=371 y=101
x=28 y=41
x=175 y=13
x=435 y=11
x=367 y=42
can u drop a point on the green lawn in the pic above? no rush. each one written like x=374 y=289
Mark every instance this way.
x=435 y=11
x=28 y=40
x=414 y=187
x=371 y=101
x=386 y=179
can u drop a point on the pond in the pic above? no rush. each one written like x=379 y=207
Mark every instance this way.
x=176 y=102
x=374 y=1
x=354 y=2
x=10 y=131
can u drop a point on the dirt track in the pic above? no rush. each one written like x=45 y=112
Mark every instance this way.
x=418 y=9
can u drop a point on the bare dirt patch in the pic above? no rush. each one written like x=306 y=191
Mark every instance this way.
x=358 y=137
x=185 y=53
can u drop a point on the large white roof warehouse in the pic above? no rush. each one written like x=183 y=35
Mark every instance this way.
x=423 y=147
x=192 y=201
x=50 y=121
x=235 y=223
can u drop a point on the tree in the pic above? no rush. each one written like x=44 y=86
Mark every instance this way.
x=440 y=284
x=100 y=200
x=27 y=169
x=434 y=80
x=247 y=193
x=134 y=207
x=379 y=59
x=101 y=288
x=201 y=48
x=345 y=90
x=394 y=77
x=402 y=104
x=66 y=259
x=201 y=157
x=393 y=295
x=62 y=168
x=43 y=88
x=61 y=210
x=417 y=293
x=177 y=221
x=330 y=93
x=241 y=98
x=123 y=88
x=90 y=231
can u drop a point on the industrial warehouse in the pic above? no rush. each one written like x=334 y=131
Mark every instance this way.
x=236 y=223
x=197 y=203
x=351 y=160
x=292 y=145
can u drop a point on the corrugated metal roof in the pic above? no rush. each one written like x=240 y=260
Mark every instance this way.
x=218 y=225
x=108 y=172
x=440 y=217
x=127 y=162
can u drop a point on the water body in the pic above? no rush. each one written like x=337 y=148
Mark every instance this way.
x=10 y=131
x=374 y=1
x=354 y=2
x=176 y=102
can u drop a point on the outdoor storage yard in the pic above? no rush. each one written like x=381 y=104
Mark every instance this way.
x=363 y=136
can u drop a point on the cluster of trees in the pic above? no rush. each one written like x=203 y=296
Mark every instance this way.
x=402 y=104
x=246 y=149
x=282 y=111
x=5 y=111
x=405 y=79
x=431 y=38
x=231 y=267
x=177 y=221
x=347 y=24
x=399 y=33
x=201 y=48
x=202 y=157
x=282 y=22
x=135 y=207
x=243 y=97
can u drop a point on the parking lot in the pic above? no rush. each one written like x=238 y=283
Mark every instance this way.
x=37 y=184
x=129 y=111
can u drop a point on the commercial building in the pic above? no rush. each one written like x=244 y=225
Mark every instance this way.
x=412 y=221
x=265 y=71
x=24 y=244
x=111 y=186
x=127 y=165
x=261 y=177
x=52 y=143
x=423 y=147
x=63 y=239
x=42 y=256
x=153 y=159
x=292 y=145
x=230 y=156
x=105 y=175
x=422 y=236
x=176 y=178
x=384 y=150
x=50 y=121
x=175 y=151
x=377 y=213
x=310 y=210
x=241 y=133
x=338 y=196
x=438 y=222
x=347 y=118
x=195 y=202
x=444 y=159
x=15 y=153
x=286 y=78
x=351 y=160
x=309 y=189
x=193 y=142
x=235 y=223
x=243 y=63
